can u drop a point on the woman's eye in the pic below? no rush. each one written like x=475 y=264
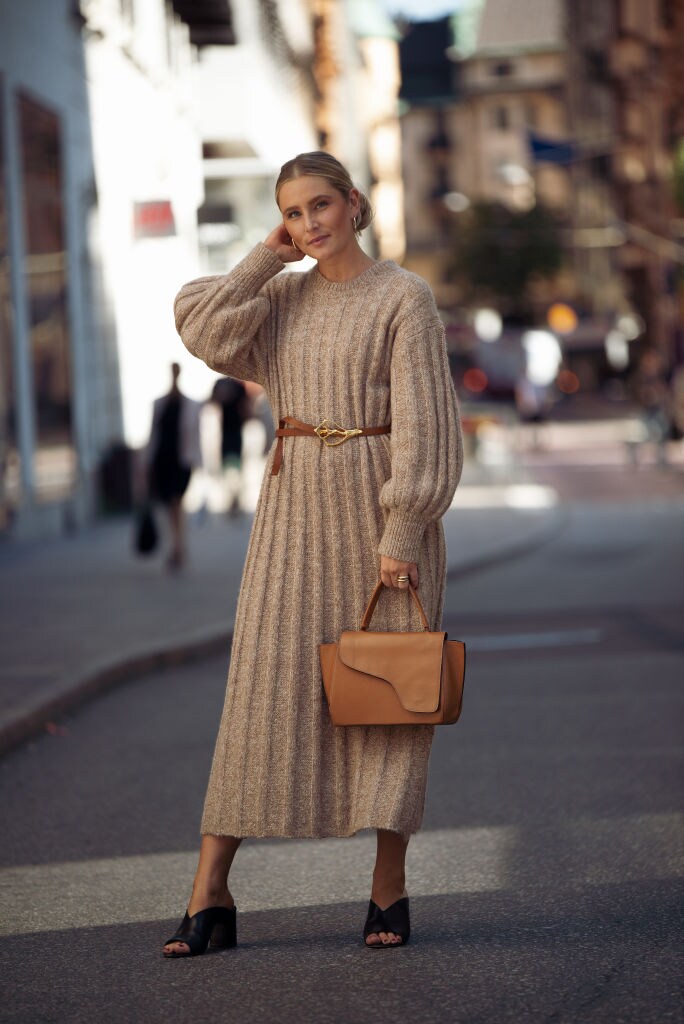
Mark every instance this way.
x=292 y=213
x=322 y=202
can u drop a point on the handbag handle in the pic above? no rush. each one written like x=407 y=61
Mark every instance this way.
x=375 y=596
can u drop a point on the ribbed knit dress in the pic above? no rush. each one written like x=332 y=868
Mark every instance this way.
x=362 y=352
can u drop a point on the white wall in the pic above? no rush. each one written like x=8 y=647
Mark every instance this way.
x=146 y=147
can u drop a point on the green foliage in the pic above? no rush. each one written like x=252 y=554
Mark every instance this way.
x=498 y=251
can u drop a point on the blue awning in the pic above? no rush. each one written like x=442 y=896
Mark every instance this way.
x=553 y=151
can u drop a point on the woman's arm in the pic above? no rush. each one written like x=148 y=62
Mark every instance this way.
x=223 y=320
x=426 y=443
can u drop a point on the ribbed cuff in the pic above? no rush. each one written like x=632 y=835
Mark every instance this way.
x=258 y=267
x=403 y=534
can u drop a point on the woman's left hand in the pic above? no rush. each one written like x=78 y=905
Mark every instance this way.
x=390 y=568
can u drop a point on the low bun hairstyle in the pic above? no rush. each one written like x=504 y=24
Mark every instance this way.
x=323 y=165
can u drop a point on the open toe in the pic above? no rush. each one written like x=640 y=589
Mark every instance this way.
x=216 y=926
x=393 y=921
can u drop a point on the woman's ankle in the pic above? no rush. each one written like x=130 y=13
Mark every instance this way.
x=210 y=893
x=386 y=890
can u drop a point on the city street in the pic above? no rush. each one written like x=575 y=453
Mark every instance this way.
x=545 y=885
x=234 y=235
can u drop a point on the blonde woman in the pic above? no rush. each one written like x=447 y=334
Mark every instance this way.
x=352 y=343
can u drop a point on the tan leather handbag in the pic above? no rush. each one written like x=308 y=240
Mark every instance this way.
x=393 y=678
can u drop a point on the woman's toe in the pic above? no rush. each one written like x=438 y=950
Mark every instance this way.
x=373 y=939
x=177 y=948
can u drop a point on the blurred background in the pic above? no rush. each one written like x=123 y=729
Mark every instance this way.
x=526 y=158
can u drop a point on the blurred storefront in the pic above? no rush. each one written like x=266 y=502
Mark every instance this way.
x=59 y=398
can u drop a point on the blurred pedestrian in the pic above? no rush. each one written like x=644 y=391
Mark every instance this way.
x=360 y=340
x=173 y=452
x=652 y=391
x=231 y=398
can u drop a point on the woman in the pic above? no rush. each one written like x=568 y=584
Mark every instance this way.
x=359 y=342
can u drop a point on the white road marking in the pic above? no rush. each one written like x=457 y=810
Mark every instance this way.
x=279 y=875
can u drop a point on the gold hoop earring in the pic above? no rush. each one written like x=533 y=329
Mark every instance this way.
x=294 y=245
x=354 y=218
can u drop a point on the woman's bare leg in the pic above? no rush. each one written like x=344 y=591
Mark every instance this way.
x=389 y=878
x=210 y=888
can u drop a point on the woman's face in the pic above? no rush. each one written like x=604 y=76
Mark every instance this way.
x=317 y=217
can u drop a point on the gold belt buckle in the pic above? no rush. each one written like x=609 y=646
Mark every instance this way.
x=331 y=434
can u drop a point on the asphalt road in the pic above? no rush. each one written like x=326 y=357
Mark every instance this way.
x=546 y=884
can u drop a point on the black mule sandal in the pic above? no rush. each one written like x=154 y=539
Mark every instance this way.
x=215 y=926
x=394 y=919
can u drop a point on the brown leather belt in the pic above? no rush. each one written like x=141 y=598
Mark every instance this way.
x=329 y=433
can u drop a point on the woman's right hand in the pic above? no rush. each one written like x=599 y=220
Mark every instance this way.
x=280 y=243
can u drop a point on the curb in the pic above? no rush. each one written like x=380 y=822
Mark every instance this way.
x=72 y=692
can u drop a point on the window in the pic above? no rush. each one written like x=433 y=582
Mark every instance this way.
x=668 y=17
x=47 y=287
x=501 y=118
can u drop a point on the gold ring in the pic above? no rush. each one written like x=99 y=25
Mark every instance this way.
x=403 y=579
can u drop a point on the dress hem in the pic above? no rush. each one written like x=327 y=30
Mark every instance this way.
x=275 y=834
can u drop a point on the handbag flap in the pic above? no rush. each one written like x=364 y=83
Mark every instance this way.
x=410 y=662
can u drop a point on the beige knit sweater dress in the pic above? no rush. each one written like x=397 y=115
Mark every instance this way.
x=362 y=352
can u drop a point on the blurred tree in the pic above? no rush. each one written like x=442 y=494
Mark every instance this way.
x=498 y=251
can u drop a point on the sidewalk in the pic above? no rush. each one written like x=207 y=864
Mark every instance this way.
x=81 y=614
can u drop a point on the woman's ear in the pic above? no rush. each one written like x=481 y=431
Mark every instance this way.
x=354 y=201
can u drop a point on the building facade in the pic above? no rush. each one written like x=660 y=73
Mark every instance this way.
x=479 y=87
x=59 y=393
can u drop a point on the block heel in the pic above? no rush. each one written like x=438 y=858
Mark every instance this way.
x=224 y=935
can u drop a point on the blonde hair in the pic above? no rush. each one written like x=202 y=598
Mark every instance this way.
x=323 y=165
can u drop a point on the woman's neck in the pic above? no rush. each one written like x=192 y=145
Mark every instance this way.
x=346 y=265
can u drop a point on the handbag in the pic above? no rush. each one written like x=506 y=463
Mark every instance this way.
x=146 y=534
x=373 y=678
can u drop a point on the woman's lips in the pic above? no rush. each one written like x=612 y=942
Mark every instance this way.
x=318 y=240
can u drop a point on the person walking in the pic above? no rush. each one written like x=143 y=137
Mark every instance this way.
x=172 y=454
x=230 y=396
x=354 y=345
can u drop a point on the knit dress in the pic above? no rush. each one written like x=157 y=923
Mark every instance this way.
x=362 y=352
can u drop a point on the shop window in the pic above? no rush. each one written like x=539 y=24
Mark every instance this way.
x=668 y=15
x=501 y=118
x=47 y=286
x=10 y=475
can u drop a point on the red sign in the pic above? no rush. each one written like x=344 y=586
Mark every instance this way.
x=153 y=219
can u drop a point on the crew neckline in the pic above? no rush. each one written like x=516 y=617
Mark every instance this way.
x=353 y=282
